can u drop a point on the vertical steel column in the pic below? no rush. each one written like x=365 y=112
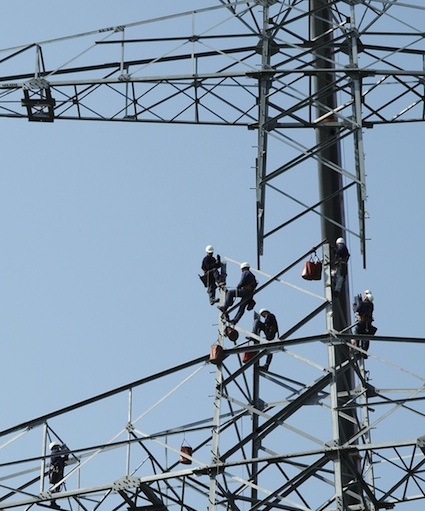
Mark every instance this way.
x=255 y=446
x=43 y=459
x=330 y=183
x=215 y=435
x=264 y=79
x=367 y=464
x=332 y=363
x=129 y=429
x=263 y=91
x=358 y=130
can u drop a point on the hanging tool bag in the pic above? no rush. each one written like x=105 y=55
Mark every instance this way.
x=312 y=269
x=204 y=279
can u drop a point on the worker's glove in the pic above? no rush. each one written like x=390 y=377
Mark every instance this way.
x=218 y=258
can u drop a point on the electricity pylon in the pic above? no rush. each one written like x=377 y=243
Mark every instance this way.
x=306 y=77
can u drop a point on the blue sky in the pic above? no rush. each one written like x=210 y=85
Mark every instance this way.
x=103 y=228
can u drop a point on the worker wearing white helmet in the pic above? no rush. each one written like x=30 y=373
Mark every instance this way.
x=58 y=458
x=244 y=290
x=214 y=273
x=364 y=316
x=269 y=327
x=340 y=264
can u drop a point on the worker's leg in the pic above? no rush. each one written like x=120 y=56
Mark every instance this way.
x=245 y=297
x=211 y=292
x=257 y=328
x=230 y=298
x=268 y=361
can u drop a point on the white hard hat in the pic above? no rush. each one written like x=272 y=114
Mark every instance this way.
x=245 y=265
x=339 y=241
x=369 y=295
x=263 y=310
x=53 y=444
x=209 y=249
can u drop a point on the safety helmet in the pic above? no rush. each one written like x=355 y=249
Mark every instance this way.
x=245 y=265
x=263 y=310
x=209 y=249
x=368 y=294
x=339 y=241
x=53 y=444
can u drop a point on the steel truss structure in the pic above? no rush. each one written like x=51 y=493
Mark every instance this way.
x=306 y=77
x=131 y=446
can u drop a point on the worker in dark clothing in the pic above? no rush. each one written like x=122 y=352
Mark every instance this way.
x=213 y=276
x=269 y=327
x=244 y=290
x=58 y=459
x=364 y=315
x=340 y=264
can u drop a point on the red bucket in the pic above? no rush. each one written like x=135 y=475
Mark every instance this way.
x=247 y=356
x=231 y=333
x=185 y=449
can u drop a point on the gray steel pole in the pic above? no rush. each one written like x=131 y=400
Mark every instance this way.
x=263 y=111
x=330 y=182
x=261 y=166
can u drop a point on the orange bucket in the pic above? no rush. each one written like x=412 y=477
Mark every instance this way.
x=216 y=354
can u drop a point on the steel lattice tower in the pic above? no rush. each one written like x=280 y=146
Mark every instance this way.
x=305 y=76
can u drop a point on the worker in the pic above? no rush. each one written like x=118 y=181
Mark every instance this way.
x=340 y=264
x=244 y=290
x=214 y=274
x=59 y=457
x=364 y=315
x=269 y=327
